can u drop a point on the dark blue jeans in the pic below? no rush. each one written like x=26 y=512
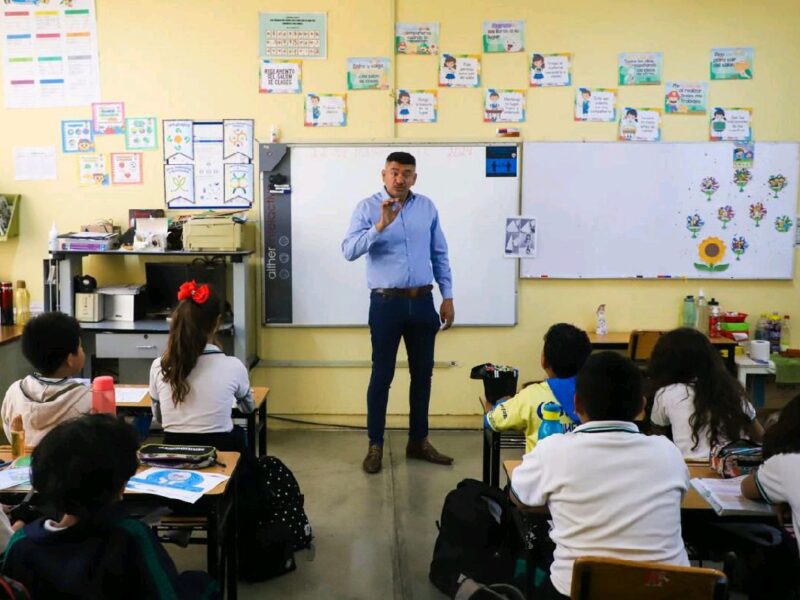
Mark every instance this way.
x=416 y=321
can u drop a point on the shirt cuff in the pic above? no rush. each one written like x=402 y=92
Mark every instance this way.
x=447 y=292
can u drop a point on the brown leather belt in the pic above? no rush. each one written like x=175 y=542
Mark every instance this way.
x=414 y=292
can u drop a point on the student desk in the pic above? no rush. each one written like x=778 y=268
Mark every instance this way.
x=618 y=340
x=256 y=420
x=217 y=506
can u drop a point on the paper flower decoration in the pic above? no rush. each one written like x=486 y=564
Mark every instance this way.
x=694 y=224
x=725 y=214
x=711 y=251
x=757 y=212
x=742 y=177
x=739 y=246
x=783 y=223
x=776 y=183
x=708 y=186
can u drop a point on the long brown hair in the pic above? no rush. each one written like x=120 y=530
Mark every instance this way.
x=193 y=323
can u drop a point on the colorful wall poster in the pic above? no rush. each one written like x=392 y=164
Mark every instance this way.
x=730 y=124
x=179 y=184
x=684 y=97
x=640 y=68
x=551 y=69
x=459 y=70
x=77 y=136
x=595 y=104
x=279 y=77
x=743 y=155
x=126 y=168
x=108 y=118
x=239 y=184
x=141 y=133
x=326 y=110
x=50 y=53
x=503 y=36
x=292 y=35
x=92 y=169
x=504 y=106
x=416 y=38
x=731 y=63
x=178 y=141
x=416 y=106
x=368 y=73
x=237 y=137
x=640 y=124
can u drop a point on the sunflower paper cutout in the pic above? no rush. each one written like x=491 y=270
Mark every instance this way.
x=711 y=251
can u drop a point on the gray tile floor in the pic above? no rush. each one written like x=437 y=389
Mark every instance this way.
x=374 y=534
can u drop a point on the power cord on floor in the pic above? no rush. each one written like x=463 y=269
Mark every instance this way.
x=357 y=427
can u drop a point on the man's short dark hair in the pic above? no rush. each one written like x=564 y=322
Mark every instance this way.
x=82 y=465
x=48 y=339
x=609 y=387
x=403 y=158
x=566 y=348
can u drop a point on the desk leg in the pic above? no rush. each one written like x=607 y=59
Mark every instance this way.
x=231 y=545
x=495 y=460
x=487 y=456
x=262 y=429
x=251 y=432
x=212 y=545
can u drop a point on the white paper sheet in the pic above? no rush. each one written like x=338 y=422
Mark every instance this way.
x=13 y=477
x=725 y=497
x=179 y=484
x=131 y=395
x=34 y=163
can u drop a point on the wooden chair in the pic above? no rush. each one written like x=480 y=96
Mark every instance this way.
x=641 y=344
x=597 y=578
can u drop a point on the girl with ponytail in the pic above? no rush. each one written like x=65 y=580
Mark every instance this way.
x=194 y=385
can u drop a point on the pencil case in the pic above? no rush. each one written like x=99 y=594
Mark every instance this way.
x=736 y=458
x=177 y=457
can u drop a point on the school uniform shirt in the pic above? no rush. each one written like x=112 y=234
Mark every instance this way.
x=611 y=492
x=523 y=412
x=673 y=405
x=43 y=403
x=778 y=483
x=216 y=384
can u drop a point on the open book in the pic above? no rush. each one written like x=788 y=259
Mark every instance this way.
x=725 y=497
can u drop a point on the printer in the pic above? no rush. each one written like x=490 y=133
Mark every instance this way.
x=213 y=233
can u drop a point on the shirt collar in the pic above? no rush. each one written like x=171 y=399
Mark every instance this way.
x=606 y=426
x=50 y=380
x=384 y=195
x=212 y=349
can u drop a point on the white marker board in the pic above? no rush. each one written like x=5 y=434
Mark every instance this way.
x=619 y=210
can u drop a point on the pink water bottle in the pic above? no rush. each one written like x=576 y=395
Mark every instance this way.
x=103 y=398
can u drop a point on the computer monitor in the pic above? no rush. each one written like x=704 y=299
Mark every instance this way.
x=164 y=279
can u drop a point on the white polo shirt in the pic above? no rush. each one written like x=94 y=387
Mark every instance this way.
x=674 y=405
x=216 y=384
x=778 y=481
x=611 y=492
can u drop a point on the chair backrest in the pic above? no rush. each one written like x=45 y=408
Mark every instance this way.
x=598 y=578
x=641 y=344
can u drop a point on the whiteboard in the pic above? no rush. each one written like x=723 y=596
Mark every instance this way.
x=617 y=210
x=328 y=182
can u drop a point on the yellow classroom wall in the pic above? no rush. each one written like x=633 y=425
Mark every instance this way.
x=199 y=59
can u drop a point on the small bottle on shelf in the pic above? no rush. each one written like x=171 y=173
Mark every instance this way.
x=22 y=304
x=786 y=333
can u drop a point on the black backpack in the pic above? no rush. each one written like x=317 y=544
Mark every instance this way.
x=476 y=538
x=284 y=503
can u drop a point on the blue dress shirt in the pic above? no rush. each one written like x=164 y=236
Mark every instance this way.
x=410 y=252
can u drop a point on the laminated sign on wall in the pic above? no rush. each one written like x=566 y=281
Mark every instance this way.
x=208 y=164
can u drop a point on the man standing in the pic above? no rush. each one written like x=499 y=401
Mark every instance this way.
x=399 y=232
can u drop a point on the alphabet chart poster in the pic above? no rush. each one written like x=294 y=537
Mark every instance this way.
x=293 y=35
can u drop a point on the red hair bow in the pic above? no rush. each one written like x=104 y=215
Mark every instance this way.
x=198 y=293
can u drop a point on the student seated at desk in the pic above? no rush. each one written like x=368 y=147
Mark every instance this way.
x=695 y=394
x=194 y=385
x=565 y=350
x=611 y=491
x=51 y=342
x=92 y=549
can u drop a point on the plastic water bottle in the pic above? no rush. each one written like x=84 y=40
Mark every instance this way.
x=774 y=331
x=714 y=319
x=551 y=420
x=786 y=333
x=22 y=304
x=689 y=312
x=103 y=397
x=702 y=313
x=52 y=238
x=761 y=328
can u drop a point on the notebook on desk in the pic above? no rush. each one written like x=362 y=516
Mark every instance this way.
x=725 y=497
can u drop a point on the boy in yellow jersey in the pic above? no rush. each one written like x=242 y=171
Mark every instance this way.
x=565 y=350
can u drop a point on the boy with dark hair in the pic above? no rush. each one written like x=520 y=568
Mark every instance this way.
x=611 y=491
x=94 y=550
x=51 y=342
x=565 y=350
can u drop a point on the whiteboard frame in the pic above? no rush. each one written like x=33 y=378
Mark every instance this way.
x=796 y=213
x=402 y=144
